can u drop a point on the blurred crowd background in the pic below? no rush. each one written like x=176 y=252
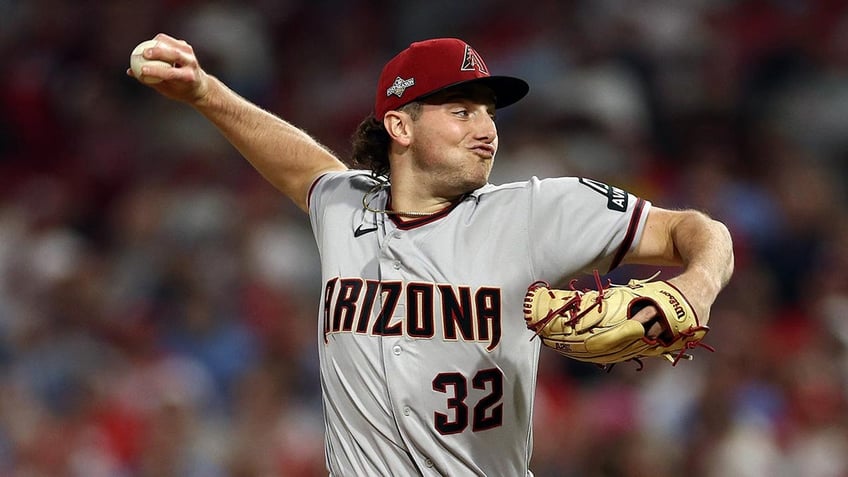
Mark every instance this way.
x=158 y=299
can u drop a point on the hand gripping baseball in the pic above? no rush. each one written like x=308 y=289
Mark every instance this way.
x=169 y=66
x=597 y=326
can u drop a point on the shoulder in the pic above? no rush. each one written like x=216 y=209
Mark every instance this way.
x=533 y=185
x=556 y=185
x=355 y=178
x=559 y=194
x=340 y=182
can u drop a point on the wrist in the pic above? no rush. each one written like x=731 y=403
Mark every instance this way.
x=699 y=286
x=205 y=92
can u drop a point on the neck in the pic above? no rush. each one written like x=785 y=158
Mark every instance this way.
x=418 y=208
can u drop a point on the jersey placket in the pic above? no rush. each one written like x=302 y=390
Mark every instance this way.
x=396 y=346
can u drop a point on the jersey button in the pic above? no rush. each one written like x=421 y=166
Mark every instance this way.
x=396 y=350
x=406 y=411
x=396 y=265
x=428 y=463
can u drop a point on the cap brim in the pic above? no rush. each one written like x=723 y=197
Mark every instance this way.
x=508 y=89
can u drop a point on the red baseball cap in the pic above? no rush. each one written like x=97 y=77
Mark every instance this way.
x=429 y=66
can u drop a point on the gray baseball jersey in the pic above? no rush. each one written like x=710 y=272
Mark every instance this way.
x=426 y=365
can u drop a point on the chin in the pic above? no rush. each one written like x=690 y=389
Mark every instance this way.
x=477 y=183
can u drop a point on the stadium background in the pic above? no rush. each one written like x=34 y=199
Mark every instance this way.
x=157 y=298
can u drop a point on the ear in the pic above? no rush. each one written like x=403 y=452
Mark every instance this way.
x=398 y=125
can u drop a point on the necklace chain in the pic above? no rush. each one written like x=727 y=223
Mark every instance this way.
x=366 y=203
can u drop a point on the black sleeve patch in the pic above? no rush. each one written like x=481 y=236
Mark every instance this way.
x=616 y=198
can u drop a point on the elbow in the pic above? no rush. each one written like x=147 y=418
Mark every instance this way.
x=726 y=243
x=720 y=241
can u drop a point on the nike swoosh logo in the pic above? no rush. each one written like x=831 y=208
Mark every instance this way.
x=360 y=231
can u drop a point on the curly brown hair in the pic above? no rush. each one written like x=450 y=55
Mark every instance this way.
x=371 y=143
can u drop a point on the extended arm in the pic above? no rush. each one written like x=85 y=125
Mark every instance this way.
x=285 y=155
x=701 y=245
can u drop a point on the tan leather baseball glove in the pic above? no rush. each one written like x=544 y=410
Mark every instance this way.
x=596 y=325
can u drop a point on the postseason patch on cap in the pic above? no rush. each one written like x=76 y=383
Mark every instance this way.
x=399 y=86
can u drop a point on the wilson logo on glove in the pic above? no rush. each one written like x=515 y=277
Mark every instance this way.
x=678 y=308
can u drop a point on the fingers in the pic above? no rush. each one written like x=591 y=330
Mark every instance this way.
x=645 y=314
x=171 y=67
x=648 y=317
x=163 y=52
x=150 y=61
x=171 y=50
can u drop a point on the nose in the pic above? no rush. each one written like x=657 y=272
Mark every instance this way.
x=487 y=130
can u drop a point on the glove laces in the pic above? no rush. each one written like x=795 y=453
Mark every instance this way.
x=571 y=308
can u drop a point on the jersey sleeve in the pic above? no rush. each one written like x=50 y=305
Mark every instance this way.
x=344 y=188
x=321 y=187
x=582 y=224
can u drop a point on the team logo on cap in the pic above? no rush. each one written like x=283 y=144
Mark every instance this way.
x=399 y=86
x=472 y=61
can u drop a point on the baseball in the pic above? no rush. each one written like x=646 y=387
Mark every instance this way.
x=137 y=60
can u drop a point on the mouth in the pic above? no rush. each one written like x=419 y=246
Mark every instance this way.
x=484 y=150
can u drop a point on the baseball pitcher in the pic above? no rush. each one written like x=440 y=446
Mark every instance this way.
x=436 y=300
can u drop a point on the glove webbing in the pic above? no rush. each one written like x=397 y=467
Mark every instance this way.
x=570 y=307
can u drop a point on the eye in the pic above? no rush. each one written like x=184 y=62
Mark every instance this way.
x=461 y=112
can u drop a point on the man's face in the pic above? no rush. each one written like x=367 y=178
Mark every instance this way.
x=455 y=140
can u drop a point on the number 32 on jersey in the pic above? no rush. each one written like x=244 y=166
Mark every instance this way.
x=487 y=413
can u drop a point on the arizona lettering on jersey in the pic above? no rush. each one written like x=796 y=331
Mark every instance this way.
x=354 y=305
